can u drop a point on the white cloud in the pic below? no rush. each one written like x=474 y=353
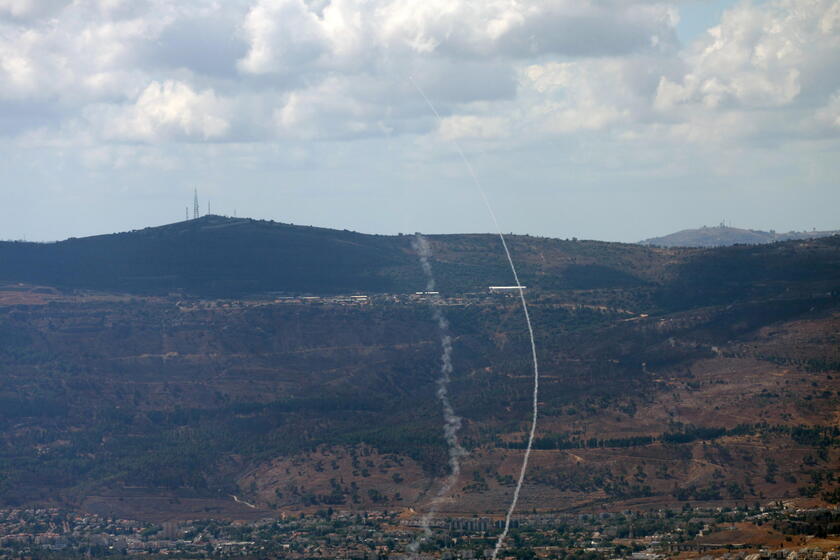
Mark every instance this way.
x=760 y=56
x=573 y=96
x=288 y=34
x=168 y=110
x=78 y=58
x=284 y=35
x=498 y=70
x=344 y=65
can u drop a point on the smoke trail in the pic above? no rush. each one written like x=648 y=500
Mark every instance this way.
x=533 y=430
x=452 y=422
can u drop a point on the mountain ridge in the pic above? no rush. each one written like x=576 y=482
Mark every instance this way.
x=220 y=256
x=722 y=236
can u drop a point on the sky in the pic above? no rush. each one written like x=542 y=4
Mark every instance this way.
x=606 y=119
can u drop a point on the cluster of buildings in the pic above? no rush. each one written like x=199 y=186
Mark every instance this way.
x=354 y=299
x=196 y=305
x=655 y=535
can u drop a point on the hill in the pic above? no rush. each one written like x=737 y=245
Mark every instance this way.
x=154 y=374
x=722 y=236
x=210 y=255
x=227 y=257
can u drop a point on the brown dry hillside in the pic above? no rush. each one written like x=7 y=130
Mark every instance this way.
x=668 y=376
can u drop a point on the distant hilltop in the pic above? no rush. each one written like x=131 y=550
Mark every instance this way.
x=216 y=256
x=722 y=235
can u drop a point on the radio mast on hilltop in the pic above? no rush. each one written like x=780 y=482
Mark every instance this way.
x=195 y=204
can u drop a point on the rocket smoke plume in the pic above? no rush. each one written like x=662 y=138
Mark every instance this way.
x=451 y=422
x=501 y=540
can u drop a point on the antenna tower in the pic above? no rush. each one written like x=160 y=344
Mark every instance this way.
x=195 y=204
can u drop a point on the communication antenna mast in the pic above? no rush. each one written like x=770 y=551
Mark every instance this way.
x=195 y=204
x=186 y=213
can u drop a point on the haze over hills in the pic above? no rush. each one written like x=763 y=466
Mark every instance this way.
x=723 y=235
x=152 y=374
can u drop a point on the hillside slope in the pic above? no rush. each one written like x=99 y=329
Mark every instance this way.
x=668 y=375
x=210 y=255
x=227 y=257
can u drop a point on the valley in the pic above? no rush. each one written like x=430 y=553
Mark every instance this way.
x=680 y=378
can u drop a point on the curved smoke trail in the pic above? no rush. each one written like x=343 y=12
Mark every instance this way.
x=452 y=422
x=533 y=430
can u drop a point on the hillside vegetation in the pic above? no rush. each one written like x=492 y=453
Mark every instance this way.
x=228 y=257
x=178 y=363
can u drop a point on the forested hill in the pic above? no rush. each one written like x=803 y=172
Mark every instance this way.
x=228 y=257
x=216 y=256
x=211 y=256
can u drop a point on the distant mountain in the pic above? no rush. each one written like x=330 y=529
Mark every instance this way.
x=722 y=236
